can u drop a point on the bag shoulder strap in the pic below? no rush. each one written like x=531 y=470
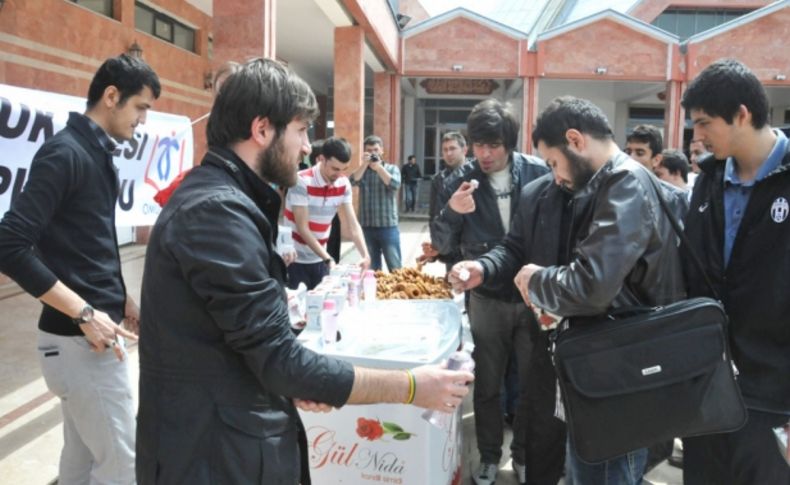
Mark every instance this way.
x=682 y=235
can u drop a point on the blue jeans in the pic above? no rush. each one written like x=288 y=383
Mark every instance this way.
x=410 y=196
x=623 y=470
x=383 y=241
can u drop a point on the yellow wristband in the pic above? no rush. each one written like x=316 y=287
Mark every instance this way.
x=412 y=386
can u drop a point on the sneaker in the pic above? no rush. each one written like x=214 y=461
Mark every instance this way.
x=521 y=472
x=486 y=474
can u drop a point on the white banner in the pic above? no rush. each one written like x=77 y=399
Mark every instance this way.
x=159 y=151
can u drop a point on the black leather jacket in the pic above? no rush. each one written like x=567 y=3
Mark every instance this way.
x=218 y=361
x=476 y=233
x=626 y=252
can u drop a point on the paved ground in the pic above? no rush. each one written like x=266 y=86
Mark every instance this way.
x=30 y=424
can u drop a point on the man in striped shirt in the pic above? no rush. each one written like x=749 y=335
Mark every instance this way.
x=378 y=183
x=321 y=192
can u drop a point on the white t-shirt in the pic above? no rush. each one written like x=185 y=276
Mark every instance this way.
x=502 y=183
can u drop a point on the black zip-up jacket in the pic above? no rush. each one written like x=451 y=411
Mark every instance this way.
x=476 y=233
x=755 y=286
x=218 y=360
x=62 y=226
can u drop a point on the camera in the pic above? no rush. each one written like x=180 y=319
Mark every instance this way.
x=374 y=157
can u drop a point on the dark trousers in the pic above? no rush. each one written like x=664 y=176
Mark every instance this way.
x=309 y=274
x=498 y=327
x=747 y=456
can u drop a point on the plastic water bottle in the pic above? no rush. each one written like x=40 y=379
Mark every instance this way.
x=369 y=287
x=328 y=324
x=460 y=360
x=353 y=290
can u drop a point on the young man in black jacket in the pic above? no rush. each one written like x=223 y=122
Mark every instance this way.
x=539 y=234
x=738 y=225
x=220 y=368
x=58 y=242
x=481 y=205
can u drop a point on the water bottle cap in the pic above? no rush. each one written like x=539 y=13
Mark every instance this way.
x=370 y=274
x=329 y=305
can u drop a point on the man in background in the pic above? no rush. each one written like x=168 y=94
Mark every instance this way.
x=411 y=175
x=378 y=183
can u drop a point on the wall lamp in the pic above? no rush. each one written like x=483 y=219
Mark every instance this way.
x=135 y=50
x=780 y=77
x=601 y=70
x=458 y=67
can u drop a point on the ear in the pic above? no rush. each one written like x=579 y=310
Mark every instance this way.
x=743 y=116
x=262 y=131
x=656 y=160
x=111 y=96
x=575 y=139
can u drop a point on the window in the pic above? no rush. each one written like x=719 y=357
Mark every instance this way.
x=103 y=7
x=163 y=27
x=687 y=22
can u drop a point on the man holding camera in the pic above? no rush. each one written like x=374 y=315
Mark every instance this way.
x=378 y=183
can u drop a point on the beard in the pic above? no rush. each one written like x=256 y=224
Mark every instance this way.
x=274 y=166
x=580 y=168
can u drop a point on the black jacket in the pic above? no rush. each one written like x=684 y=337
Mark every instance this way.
x=439 y=195
x=410 y=174
x=625 y=252
x=219 y=363
x=755 y=286
x=62 y=226
x=476 y=233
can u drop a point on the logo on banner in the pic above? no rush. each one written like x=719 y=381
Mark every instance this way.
x=780 y=210
x=161 y=170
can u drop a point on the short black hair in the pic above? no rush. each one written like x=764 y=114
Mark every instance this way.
x=456 y=136
x=316 y=148
x=371 y=140
x=649 y=134
x=492 y=121
x=566 y=113
x=260 y=88
x=411 y=157
x=338 y=148
x=721 y=88
x=675 y=161
x=128 y=74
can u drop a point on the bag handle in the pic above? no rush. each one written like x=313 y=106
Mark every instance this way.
x=682 y=235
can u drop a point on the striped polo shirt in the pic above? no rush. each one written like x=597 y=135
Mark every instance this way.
x=322 y=201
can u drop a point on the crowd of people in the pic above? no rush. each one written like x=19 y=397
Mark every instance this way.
x=572 y=234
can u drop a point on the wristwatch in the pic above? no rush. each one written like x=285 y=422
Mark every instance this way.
x=85 y=316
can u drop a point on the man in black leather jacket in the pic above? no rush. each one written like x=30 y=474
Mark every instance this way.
x=220 y=368
x=625 y=250
x=477 y=218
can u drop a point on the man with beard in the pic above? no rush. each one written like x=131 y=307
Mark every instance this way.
x=624 y=250
x=220 y=369
x=475 y=219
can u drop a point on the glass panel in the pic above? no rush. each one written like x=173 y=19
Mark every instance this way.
x=685 y=25
x=430 y=116
x=143 y=19
x=103 y=7
x=453 y=116
x=705 y=21
x=163 y=29
x=184 y=37
x=429 y=166
x=430 y=142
